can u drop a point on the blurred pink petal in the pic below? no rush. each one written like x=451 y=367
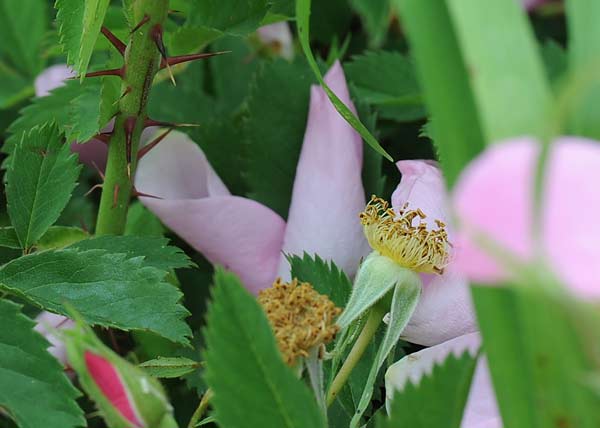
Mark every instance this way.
x=494 y=197
x=108 y=380
x=328 y=194
x=531 y=4
x=47 y=323
x=481 y=410
x=279 y=37
x=52 y=78
x=444 y=310
x=238 y=233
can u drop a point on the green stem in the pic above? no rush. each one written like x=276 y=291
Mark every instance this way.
x=376 y=314
x=141 y=64
x=201 y=408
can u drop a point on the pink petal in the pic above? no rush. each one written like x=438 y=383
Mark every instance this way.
x=445 y=310
x=571 y=211
x=481 y=410
x=328 y=194
x=93 y=152
x=238 y=233
x=106 y=376
x=494 y=196
x=51 y=78
x=47 y=323
x=279 y=37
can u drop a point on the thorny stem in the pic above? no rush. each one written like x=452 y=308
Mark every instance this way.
x=376 y=314
x=142 y=59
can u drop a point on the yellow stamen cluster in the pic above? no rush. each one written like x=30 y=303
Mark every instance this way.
x=404 y=237
x=300 y=317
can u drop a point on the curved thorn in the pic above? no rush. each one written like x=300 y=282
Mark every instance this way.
x=135 y=193
x=144 y=150
x=94 y=187
x=145 y=19
x=112 y=72
x=114 y=40
x=186 y=58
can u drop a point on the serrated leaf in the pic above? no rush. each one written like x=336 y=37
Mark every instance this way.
x=156 y=251
x=42 y=174
x=237 y=17
x=387 y=81
x=325 y=277
x=303 y=22
x=277 y=112
x=258 y=390
x=22 y=29
x=79 y=110
x=170 y=367
x=439 y=398
x=107 y=289
x=79 y=26
x=55 y=237
x=33 y=387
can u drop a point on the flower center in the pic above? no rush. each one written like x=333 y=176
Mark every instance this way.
x=300 y=317
x=404 y=238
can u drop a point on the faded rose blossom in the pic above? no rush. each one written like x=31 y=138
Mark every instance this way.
x=247 y=237
x=47 y=325
x=444 y=310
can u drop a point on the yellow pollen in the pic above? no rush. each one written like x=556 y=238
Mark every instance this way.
x=300 y=317
x=395 y=235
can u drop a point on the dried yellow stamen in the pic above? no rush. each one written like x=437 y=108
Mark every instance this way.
x=300 y=317
x=395 y=235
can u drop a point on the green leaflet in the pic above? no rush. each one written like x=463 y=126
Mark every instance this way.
x=438 y=400
x=41 y=176
x=170 y=367
x=303 y=22
x=258 y=390
x=111 y=290
x=33 y=387
x=79 y=26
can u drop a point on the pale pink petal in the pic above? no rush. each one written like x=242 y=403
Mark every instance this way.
x=571 y=212
x=279 y=37
x=328 y=194
x=237 y=233
x=481 y=410
x=51 y=78
x=110 y=383
x=444 y=310
x=47 y=325
x=422 y=185
x=494 y=196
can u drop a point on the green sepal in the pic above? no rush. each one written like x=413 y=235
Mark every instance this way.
x=404 y=301
x=147 y=394
x=376 y=276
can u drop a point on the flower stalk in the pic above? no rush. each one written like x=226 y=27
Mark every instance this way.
x=142 y=59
